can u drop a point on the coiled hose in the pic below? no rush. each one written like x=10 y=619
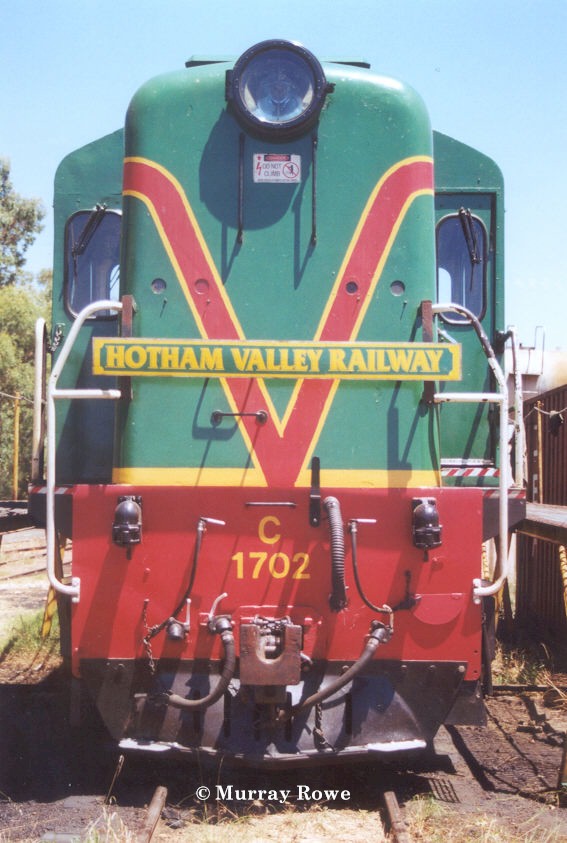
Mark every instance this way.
x=338 y=598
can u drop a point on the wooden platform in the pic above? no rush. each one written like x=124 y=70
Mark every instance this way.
x=544 y=521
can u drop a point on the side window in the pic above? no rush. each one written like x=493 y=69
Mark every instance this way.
x=92 y=258
x=461 y=263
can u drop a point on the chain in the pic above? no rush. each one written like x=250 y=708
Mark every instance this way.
x=148 y=639
x=318 y=730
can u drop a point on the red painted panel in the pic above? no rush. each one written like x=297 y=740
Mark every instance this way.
x=270 y=561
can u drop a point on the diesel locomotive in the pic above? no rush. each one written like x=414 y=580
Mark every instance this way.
x=275 y=429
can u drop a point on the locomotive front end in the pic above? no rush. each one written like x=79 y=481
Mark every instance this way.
x=270 y=568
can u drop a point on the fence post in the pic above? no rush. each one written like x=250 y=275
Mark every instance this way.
x=16 y=466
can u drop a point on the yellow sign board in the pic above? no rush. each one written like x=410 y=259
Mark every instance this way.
x=229 y=359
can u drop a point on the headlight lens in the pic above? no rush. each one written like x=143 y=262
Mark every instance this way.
x=277 y=88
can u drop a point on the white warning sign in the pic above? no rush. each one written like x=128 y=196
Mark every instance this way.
x=276 y=168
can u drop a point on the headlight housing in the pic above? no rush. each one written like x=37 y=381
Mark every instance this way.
x=277 y=89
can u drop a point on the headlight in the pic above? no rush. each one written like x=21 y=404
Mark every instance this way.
x=277 y=88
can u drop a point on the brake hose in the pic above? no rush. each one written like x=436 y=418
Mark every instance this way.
x=222 y=626
x=380 y=634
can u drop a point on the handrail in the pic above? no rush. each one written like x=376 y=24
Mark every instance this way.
x=501 y=398
x=72 y=590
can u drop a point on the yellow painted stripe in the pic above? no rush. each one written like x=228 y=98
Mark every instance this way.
x=151 y=476
x=49 y=612
x=331 y=478
x=373 y=479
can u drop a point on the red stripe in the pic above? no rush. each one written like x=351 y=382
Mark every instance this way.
x=372 y=242
x=280 y=458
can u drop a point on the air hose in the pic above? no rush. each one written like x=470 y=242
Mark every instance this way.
x=154 y=630
x=338 y=598
x=222 y=626
x=380 y=634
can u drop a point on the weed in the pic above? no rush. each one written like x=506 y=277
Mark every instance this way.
x=519 y=665
x=435 y=823
x=108 y=828
x=23 y=650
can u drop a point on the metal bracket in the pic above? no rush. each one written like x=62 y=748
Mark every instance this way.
x=426 y=310
x=315 y=493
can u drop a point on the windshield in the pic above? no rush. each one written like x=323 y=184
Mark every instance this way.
x=92 y=258
x=461 y=263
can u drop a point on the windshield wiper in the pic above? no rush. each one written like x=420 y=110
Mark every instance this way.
x=91 y=225
x=467 y=225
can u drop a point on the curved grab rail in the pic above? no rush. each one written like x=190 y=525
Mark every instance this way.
x=53 y=394
x=500 y=398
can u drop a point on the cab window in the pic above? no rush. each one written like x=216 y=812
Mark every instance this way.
x=461 y=263
x=92 y=259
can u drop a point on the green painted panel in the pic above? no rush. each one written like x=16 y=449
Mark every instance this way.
x=465 y=178
x=277 y=281
x=90 y=175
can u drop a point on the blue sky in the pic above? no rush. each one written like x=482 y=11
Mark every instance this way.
x=493 y=74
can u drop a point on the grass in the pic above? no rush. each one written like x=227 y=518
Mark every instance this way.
x=426 y=819
x=108 y=828
x=530 y=665
x=518 y=666
x=26 y=631
x=430 y=821
x=314 y=825
x=524 y=662
x=24 y=651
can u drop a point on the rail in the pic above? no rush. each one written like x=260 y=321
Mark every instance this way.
x=54 y=394
x=501 y=398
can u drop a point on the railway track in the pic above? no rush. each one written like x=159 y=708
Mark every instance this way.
x=23 y=581
x=82 y=818
x=504 y=775
x=22 y=553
